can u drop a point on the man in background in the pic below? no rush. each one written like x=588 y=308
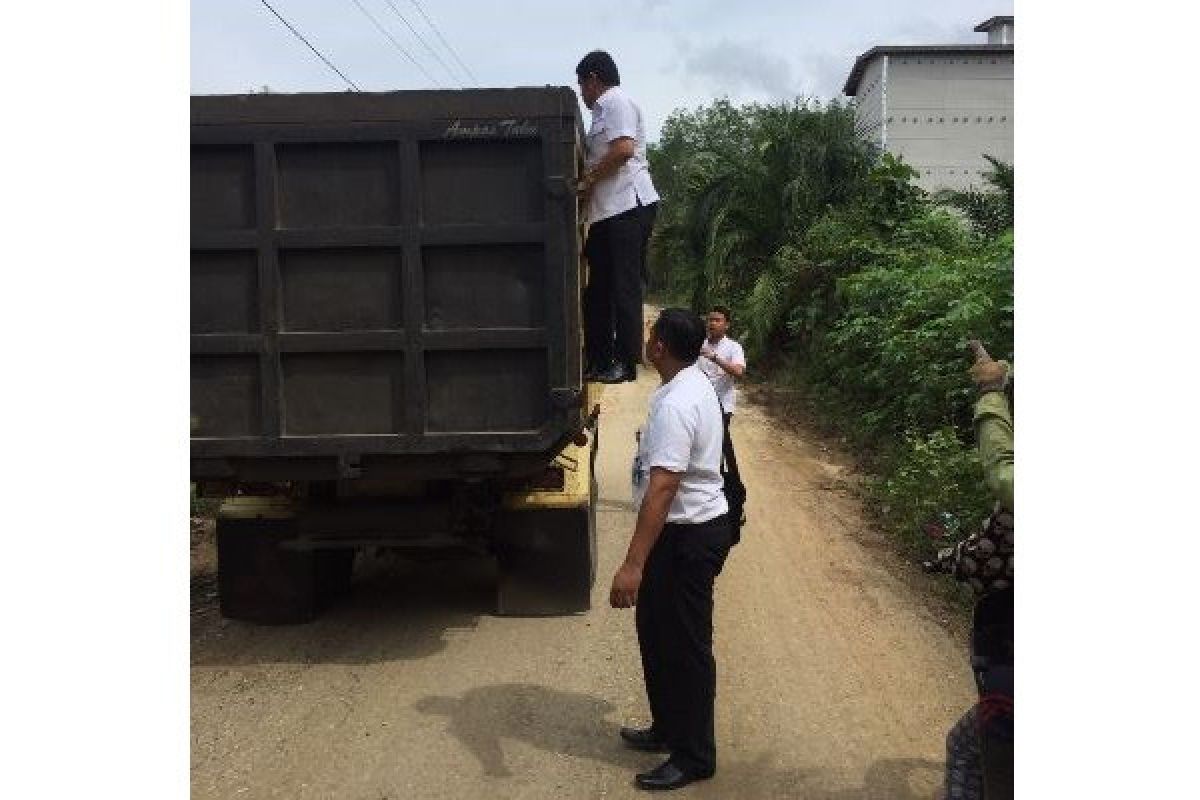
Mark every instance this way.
x=722 y=359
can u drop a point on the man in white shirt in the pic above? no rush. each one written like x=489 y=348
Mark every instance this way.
x=620 y=206
x=679 y=544
x=722 y=359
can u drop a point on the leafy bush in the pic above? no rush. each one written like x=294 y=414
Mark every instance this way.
x=845 y=278
x=898 y=352
x=933 y=487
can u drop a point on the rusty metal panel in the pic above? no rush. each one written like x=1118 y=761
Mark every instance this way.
x=462 y=180
x=337 y=184
x=347 y=392
x=223 y=193
x=341 y=289
x=224 y=290
x=485 y=286
x=472 y=389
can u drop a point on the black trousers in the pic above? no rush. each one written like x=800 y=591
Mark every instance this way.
x=612 y=302
x=674 y=626
x=979 y=748
x=992 y=658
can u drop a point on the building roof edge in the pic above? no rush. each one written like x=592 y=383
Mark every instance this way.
x=988 y=24
x=860 y=64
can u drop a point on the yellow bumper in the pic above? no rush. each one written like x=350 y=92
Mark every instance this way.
x=576 y=464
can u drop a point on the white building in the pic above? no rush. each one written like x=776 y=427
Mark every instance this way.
x=940 y=107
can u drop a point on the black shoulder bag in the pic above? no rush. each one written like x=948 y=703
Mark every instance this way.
x=735 y=490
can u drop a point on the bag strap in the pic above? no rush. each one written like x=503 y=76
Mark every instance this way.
x=727 y=441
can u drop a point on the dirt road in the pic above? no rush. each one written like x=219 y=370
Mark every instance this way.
x=835 y=681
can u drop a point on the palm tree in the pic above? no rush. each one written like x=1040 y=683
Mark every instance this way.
x=741 y=183
x=989 y=212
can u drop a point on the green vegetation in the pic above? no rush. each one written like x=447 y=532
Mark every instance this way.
x=847 y=281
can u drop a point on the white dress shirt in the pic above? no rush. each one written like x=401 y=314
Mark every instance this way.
x=683 y=434
x=615 y=116
x=731 y=352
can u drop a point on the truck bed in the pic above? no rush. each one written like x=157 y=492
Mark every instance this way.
x=383 y=282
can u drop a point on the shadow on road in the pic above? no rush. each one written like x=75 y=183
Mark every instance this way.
x=396 y=610
x=551 y=720
x=575 y=724
x=885 y=779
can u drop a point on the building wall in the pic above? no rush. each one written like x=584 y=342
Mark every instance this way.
x=945 y=112
x=868 y=104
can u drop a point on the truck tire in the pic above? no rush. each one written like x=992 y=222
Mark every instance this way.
x=547 y=561
x=335 y=569
x=547 y=556
x=260 y=581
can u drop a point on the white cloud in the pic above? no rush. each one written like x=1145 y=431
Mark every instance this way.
x=739 y=70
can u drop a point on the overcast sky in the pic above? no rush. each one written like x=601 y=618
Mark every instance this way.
x=671 y=53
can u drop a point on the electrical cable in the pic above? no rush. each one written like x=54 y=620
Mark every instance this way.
x=396 y=44
x=421 y=39
x=300 y=36
x=465 y=68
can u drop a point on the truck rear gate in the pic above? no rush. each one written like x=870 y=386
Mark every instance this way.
x=384 y=286
x=384 y=274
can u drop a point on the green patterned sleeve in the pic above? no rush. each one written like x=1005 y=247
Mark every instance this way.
x=994 y=432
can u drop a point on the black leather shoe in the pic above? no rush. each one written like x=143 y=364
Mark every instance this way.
x=667 y=776
x=644 y=739
x=590 y=373
x=617 y=373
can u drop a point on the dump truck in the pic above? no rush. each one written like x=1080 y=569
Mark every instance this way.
x=386 y=341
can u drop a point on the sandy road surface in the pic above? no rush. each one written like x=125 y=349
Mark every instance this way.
x=834 y=680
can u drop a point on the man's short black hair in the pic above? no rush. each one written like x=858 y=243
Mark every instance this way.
x=681 y=331
x=602 y=64
x=723 y=311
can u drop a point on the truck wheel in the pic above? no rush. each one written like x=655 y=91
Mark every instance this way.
x=335 y=568
x=547 y=556
x=547 y=561
x=261 y=582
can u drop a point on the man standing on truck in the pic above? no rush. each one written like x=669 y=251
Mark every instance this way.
x=722 y=359
x=680 y=541
x=620 y=206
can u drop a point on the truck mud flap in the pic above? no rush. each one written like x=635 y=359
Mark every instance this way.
x=262 y=581
x=547 y=561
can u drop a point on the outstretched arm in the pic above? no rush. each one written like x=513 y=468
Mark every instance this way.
x=994 y=423
x=994 y=432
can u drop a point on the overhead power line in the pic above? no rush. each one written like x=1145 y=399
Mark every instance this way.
x=421 y=39
x=396 y=44
x=465 y=68
x=300 y=36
